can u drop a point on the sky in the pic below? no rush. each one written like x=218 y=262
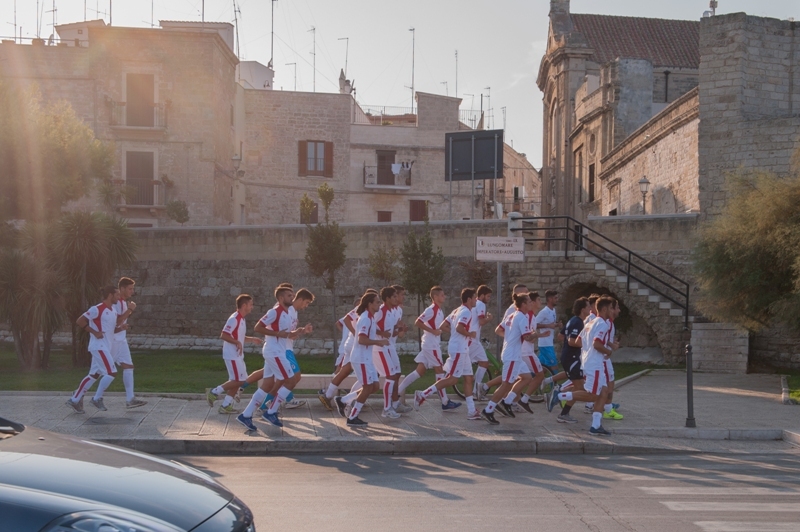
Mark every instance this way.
x=500 y=43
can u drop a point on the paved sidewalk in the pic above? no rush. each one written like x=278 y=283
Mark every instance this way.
x=734 y=413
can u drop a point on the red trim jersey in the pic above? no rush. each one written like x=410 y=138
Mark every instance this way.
x=347 y=336
x=236 y=327
x=293 y=316
x=365 y=327
x=120 y=307
x=517 y=327
x=527 y=347
x=385 y=320
x=458 y=342
x=433 y=317
x=102 y=319
x=478 y=312
x=509 y=311
x=277 y=319
x=398 y=317
x=591 y=358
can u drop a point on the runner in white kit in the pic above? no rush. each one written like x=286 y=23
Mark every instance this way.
x=120 y=350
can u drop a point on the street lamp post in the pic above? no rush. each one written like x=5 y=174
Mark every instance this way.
x=644 y=184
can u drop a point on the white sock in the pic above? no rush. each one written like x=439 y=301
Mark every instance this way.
x=490 y=406
x=607 y=408
x=105 y=382
x=470 y=405
x=356 y=410
x=479 y=374
x=127 y=380
x=258 y=396
x=395 y=404
x=597 y=419
x=427 y=392
x=350 y=397
x=565 y=396
x=525 y=398
x=332 y=391
x=589 y=406
x=283 y=393
x=547 y=380
x=510 y=398
x=442 y=392
x=218 y=390
x=83 y=387
x=227 y=401
x=407 y=381
x=484 y=387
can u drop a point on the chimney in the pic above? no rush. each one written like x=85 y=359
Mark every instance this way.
x=559 y=6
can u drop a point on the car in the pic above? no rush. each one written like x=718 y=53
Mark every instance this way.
x=53 y=482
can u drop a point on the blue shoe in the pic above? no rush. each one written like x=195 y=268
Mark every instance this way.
x=451 y=405
x=272 y=418
x=614 y=406
x=246 y=421
x=599 y=431
x=552 y=401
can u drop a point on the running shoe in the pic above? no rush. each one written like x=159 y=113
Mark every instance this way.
x=210 y=397
x=552 y=402
x=480 y=396
x=324 y=400
x=294 y=403
x=357 y=422
x=526 y=407
x=489 y=416
x=612 y=415
x=238 y=396
x=227 y=409
x=391 y=414
x=246 y=421
x=98 y=404
x=600 y=431
x=272 y=418
x=339 y=405
x=516 y=408
x=588 y=409
x=418 y=400
x=566 y=418
x=77 y=407
x=474 y=416
x=403 y=409
x=536 y=399
x=135 y=403
x=451 y=405
x=615 y=406
x=505 y=409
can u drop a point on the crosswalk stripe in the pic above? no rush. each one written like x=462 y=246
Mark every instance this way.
x=734 y=526
x=732 y=506
x=693 y=490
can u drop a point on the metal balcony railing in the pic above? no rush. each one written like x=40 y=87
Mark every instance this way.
x=144 y=192
x=124 y=116
x=382 y=115
x=379 y=177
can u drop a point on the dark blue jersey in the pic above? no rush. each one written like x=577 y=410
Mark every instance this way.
x=572 y=330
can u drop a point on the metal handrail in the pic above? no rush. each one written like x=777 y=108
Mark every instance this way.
x=626 y=258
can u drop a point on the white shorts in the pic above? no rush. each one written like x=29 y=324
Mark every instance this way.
x=121 y=352
x=365 y=372
x=458 y=365
x=477 y=353
x=102 y=363
x=279 y=366
x=386 y=362
x=237 y=371
x=512 y=369
x=431 y=358
x=533 y=363
x=595 y=380
x=609 y=367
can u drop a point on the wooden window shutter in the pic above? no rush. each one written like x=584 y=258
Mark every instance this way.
x=302 y=158
x=328 y=160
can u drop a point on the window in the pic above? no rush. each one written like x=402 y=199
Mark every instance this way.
x=384 y=216
x=418 y=211
x=385 y=162
x=315 y=158
x=313 y=219
x=579 y=175
x=140 y=100
x=139 y=172
x=591 y=183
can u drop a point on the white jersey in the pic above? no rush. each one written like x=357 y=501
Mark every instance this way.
x=236 y=327
x=385 y=320
x=276 y=319
x=293 y=316
x=530 y=322
x=432 y=317
x=458 y=342
x=365 y=327
x=121 y=307
x=398 y=317
x=589 y=318
x=547 y=316
x=478 y=313
x=591 y=358
x=101 y=319
x=612 y=333
x=347 y=336
x=517 y=328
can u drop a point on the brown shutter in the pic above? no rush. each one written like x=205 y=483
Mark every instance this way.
x=302 y=158
x=328 y=160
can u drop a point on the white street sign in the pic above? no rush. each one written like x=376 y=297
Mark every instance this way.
x=499 y=249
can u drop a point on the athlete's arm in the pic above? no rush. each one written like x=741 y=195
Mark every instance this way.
x=253 y=340
x=419 y=324
x=83 y=323
x=125 y=315
x=366 y=340
x=349 y=324
x=500 y=331
x=601 y=347
x=226 y=337
x=262 y=329
x=461 y=329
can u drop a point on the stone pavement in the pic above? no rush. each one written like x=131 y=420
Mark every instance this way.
x=734 y=413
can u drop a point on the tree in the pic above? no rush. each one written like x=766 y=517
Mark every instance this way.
x=178 y=211
x=421 y=267
x=325 y=252
x=48 y=155
x=383 y=264
x=747 y=259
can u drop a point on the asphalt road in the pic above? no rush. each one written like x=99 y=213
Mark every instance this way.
x=709 y=493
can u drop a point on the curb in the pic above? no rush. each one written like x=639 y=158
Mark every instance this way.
x=710 y=434
x=630 y=378
x=785 y=399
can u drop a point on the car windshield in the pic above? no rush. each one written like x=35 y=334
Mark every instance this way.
x=9 y=429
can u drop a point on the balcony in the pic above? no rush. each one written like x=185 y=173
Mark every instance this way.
x=138 y=121
x=141 y=194
x=378 y=177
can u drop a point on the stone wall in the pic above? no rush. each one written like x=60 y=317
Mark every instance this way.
x=720 y=347
x=775 y=347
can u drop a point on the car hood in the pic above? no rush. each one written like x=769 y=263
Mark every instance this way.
x=95 y=471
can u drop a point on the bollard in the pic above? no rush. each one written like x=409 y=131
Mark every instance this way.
x=690 y=422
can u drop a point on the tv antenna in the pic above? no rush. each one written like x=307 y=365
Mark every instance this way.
x=295 y=74
x=236 y=14
x=346 y=52
x=272 y=35
x=456 y=73
x=313 y=31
